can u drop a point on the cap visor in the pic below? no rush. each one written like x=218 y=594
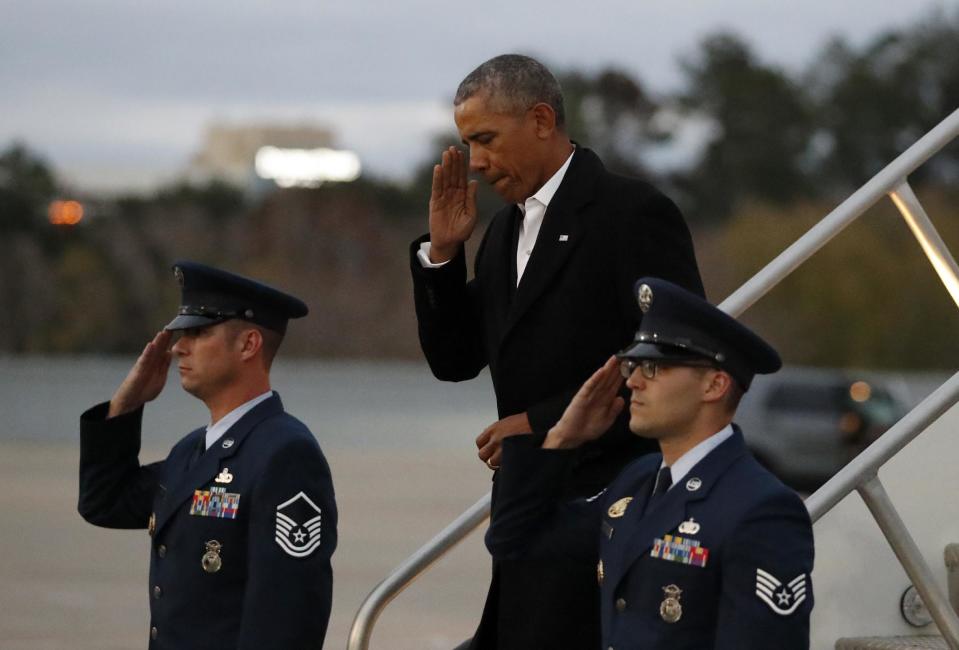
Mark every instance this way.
x=647 y=350
x=185 y=322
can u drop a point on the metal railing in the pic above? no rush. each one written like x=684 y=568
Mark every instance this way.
x=861 y=474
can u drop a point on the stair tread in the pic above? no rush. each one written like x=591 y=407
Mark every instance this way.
x=893 y=643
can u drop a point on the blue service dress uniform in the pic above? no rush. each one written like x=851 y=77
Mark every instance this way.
x=722 y=560
x=242 y=535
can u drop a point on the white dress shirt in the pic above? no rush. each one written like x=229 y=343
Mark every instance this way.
x=215 y=431
x=533 y=209
x=679 y=469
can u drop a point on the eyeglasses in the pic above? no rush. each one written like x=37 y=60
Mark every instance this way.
x=649 y=367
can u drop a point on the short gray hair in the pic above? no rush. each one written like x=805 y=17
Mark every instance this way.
x=514 y=83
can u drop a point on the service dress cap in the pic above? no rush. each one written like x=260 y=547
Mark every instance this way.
x=211 y=295
x=679 y=325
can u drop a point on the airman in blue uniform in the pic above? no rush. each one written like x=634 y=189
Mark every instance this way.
x=241 y=514
x=697 y=547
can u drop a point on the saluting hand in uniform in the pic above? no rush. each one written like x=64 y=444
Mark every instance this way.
x=592 y=410
x=452 y=206
x=147 y=377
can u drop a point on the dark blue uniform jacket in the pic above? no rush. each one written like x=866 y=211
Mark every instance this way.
x=729 y=542
x=263 y=492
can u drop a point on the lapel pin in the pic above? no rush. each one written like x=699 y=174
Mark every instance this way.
x=618 y=509
x=224 y=476
x=694 y=484
x=689 y=527
x=228 y=443
x=152 y=525
x=564 y=237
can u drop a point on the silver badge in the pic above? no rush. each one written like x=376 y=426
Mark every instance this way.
x=671 y=610
x=694 y=484
x=228 y=443
x=211 y=559
x=224 y=476
x=645 y=297
x=178 y=274
x=689 y=527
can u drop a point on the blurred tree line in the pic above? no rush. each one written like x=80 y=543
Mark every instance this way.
x=754 y=155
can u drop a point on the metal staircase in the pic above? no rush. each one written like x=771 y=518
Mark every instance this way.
x=859 y=475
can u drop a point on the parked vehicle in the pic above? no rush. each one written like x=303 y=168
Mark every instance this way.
x=804 y=424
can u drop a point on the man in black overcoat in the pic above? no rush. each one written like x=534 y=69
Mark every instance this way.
x=550 y=300
x=241 y=514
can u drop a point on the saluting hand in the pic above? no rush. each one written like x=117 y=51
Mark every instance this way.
x=147 y=377
x=592 y=410
x=452 y=206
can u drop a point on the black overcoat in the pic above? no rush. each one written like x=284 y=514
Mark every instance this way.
x=263 y=492
x=573 y=308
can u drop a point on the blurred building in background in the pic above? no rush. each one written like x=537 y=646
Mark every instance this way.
x=260 y=157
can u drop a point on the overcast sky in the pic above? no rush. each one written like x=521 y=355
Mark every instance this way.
x=118 y=92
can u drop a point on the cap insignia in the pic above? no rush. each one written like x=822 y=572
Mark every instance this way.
x=645 y=297
x=178 y=274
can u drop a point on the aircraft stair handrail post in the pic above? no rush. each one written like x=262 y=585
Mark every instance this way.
x=925 y=233
x=411 y=568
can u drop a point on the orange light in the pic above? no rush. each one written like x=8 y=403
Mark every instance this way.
x=860 y=391
x=65 y=213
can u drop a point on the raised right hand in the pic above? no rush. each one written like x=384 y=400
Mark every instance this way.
x=452 y=206
x=591 y=412
x=147 y=377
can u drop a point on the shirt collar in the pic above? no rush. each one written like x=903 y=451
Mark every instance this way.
x=679 y=469
x=545 y=194
x=215 y=431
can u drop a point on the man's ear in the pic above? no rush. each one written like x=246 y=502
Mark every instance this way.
x=717 y=385
x=252 y=342
x=545 y=118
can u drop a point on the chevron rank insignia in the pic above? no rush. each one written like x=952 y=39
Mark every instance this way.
x=298 y=526
x=783 y=599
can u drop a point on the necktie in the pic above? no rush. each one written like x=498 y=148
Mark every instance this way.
x=663 y=480
x=200 y=448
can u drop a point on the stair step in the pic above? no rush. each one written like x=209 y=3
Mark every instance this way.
x=893 y=643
